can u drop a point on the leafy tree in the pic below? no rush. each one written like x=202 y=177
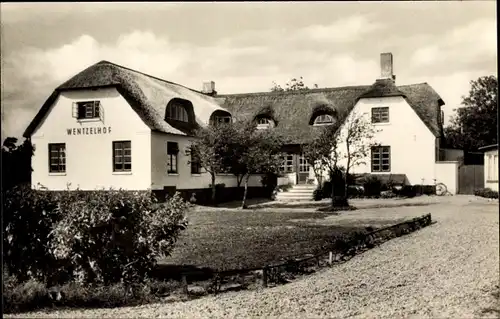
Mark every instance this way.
x=292 y=85
x=356 y=135
x=212 y=150
x=475 y=124
x=338 y=151
x=16 y=162
x=254 y=152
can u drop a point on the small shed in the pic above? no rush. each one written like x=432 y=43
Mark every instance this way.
x=490 y=166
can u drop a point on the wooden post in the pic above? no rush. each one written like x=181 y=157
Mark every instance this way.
x=185 y=284
x=264 y=277
x=330 y=258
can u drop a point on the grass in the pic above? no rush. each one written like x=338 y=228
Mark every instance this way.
x=240 y=239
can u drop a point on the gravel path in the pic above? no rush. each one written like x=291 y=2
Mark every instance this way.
x=446 y=270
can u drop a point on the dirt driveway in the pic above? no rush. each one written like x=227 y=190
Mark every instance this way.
x=447 y=270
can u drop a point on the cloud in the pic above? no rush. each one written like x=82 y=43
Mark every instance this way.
x=250 y=62
x=350 y=29
x=465 y=45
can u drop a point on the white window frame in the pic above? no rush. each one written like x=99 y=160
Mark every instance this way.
x=323 y=119
x=88 y=111
x=57 y=158
x=377 y=159
x=303 y=164
x=380 y=115
x=492 y=168
x=120 y=148
x=264 y=123
x=286 y=165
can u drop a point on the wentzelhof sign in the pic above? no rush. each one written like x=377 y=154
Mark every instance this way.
x=89 y=130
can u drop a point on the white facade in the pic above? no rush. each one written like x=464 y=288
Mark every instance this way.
x=491 y=169
x=412 y=144
x=89 y=149
x=89 y=156
x=184 y=179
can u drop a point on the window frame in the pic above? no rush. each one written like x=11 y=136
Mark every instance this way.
x=172 y=158
x=195 y=164
x=123 y=156
x=83 y=108
x=380 y=151
x=177 y=112
x=378 y=115
x=320 y=123
x=287 y=164
x=492 y=168
x=61 y=158
x=269 y=123
x=218 y=118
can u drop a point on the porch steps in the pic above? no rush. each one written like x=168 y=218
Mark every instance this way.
x=301 y=192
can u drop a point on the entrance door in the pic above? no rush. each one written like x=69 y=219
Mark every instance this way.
x=302 y=169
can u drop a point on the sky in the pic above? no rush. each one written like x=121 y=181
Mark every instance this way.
x=244 y=47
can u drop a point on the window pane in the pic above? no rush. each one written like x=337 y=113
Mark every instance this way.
x=128 y=166
x=118 y=166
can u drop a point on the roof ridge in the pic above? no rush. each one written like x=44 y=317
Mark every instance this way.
x=148 y=75
x=327 y=89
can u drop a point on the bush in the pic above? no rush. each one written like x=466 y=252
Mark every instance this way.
x=32 y=295
x=90 y=237
x=116 y=236
x=372 y=186
x=269 y=181
x=318 y=194
x=355 y=191
x=28 y=295
x=28 y=217
x=486 y=192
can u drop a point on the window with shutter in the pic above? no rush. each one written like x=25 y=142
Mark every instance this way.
x=88 y=110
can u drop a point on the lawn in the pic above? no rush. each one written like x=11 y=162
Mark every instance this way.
x=240 y=239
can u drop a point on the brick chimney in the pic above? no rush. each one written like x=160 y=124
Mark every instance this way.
x=386 y=68
x=209 y=88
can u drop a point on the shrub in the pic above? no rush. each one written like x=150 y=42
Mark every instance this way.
x=33 y=295
x=355 y=191
x=28 y=216
x=372 y=186
x=326 y=189
x=28 y=295
x=269 y=181
x=91 y=237
x=115 y=236
x=318 y=194
x=408 y=191
x=486 y=192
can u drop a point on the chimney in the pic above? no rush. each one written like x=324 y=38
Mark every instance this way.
x=209 y=88
x=386 y=71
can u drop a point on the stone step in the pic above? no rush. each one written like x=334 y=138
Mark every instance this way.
x=299 y=191
x=290 y=197
x=304 y=186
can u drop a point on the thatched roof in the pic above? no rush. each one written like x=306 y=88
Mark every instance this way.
x=293 y=110
x=147 y=95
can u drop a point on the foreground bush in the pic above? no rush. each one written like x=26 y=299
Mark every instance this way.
x=486 y=192
x=33 y=294
x=98 y=237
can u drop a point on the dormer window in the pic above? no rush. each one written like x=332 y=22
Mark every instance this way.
x=177 y=112
x=87 y=110
x=323 y=119
x=222 y=119
x=264 y=123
